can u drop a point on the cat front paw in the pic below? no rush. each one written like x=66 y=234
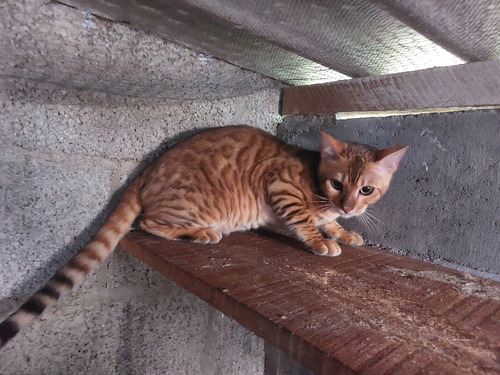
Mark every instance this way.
x=325 y=247
x=351 y=238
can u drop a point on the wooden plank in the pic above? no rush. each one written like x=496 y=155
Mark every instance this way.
x=367 y=310
x=467 y=85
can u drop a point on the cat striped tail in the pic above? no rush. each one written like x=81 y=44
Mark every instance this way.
x=87 y=260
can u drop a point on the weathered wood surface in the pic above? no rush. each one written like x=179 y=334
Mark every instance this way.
x=366 y=311
x=467 y=85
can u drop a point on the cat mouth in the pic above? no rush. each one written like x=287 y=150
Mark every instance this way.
x=344 y=214
x=349 y=214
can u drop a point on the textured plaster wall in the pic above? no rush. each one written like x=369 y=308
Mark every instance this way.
x=47 y=41
x=64 y=153
x=443 y=204
x=84 y=104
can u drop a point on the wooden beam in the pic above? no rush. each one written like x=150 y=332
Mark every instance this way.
x=368 y=310
x=467 y=85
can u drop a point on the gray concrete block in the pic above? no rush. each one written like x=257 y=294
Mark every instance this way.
x=279 y=363
x=227 y=339
x=133 y=321
x=443 y=201
x=65 y=152
x=38 y=116
x=63 y=156
x=46 y=218
x=51 y=42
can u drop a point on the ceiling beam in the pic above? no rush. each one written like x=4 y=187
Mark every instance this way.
x=467 y=85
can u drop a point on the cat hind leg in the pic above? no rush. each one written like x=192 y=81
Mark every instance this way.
x=198 y=235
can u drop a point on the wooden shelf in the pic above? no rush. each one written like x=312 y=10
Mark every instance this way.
x=367 y=310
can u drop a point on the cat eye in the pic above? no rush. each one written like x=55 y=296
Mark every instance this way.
x=337 y=185
x=366 y=190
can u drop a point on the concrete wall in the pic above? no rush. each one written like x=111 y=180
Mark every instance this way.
x=64 y=153
x=443 y=204
x=72 y=131
x=50 y=42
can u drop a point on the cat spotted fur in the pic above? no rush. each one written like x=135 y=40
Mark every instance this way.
x=233 y=179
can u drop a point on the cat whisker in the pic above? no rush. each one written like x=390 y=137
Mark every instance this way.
x=329 y=208
x=365 y=222
x=375 y=225
x=325 y=207
x=373 y=217
x=321 y=197
x=369 y=220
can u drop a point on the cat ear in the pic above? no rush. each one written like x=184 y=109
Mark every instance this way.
x=389 y=158
x=330 y=147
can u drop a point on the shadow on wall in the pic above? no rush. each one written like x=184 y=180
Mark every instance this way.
x=25 y=287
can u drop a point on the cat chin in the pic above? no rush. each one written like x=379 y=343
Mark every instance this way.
x=345 y=215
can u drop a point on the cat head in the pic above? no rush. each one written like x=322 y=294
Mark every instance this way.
x=353 y=176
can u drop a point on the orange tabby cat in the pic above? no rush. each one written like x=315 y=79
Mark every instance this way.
x=233 y=179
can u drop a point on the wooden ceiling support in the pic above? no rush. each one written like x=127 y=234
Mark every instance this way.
x=467 y=85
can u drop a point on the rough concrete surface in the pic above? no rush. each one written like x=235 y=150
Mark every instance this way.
x=128 y=319
x=64 y=153
x=82 y=109
x=279 y=363
x=443 y=204
x=47 y=41
x=45 y=117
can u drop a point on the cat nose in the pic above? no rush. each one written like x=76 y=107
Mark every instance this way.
x=347 y=209
x=347 y=204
